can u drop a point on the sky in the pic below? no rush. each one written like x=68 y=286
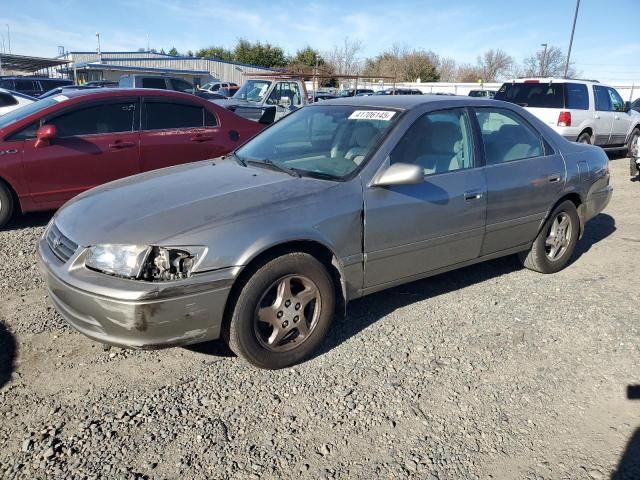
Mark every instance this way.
x=606 y=44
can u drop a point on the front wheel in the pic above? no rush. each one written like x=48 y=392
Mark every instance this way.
x=554 y=245
x=632 y=146
x=283 y=312
x=6 y=204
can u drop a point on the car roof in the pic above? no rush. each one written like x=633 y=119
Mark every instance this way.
x=551 y=80
x=122 y=92
x=402 y=102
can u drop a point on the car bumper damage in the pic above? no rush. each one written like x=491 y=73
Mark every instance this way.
x=132 y=313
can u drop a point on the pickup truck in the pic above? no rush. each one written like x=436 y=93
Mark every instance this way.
x=267 y=99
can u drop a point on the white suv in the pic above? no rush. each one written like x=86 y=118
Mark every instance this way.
x=580 y=110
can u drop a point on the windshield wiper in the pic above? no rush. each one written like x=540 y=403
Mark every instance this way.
x=275 y=166
x=237 y=158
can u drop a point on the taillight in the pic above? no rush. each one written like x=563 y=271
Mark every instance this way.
x=564 y=119
x=532 y=81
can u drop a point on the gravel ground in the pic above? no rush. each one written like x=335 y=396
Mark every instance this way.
x=492 y=371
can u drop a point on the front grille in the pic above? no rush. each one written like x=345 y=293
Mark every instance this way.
x=60 y=245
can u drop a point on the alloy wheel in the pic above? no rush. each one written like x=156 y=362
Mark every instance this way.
x=558 y=237
x=287 y=313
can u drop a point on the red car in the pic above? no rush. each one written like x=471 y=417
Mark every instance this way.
x=55 y=148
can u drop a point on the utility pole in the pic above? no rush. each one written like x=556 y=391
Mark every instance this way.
x=573 y=29
x=98 y=37
x=315 y=85
x=148 y=43
x=544 y=60
x=9 y=37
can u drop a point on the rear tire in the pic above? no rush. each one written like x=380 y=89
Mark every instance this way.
x=584 y=138
x=554 y=245
x=283 y=312
x=6 y=204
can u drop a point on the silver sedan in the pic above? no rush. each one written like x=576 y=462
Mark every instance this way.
x=336 y=201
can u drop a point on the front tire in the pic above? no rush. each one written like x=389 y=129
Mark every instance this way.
x=6 y=204
x=283 y=312
x=554 y=245
x=632 y=146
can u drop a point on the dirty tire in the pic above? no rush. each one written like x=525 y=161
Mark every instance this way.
x=632 y=145
x=246 y=339
x=584 y=138
x=536 y=258
x=6 y=204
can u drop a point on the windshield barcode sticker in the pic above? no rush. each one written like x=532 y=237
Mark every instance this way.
x=372 y=115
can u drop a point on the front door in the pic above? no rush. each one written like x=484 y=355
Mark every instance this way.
x=523 y=176
x=603 y=116
x=414 y=229
x=95 y=144
x=622 y=121
x=177 y=132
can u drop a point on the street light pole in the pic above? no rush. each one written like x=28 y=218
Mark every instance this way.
x=573 y=29
x=544 y=59
x=9 y=37
x=98 y=37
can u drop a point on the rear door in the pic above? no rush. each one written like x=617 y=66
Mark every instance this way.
x=524 y=177
x=95 y=144
x=176 y=131
x=603 y=115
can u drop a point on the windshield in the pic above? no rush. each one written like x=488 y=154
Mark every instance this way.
x=19 y=113
x=322 y=141
x=540 y=95
x=253 y=90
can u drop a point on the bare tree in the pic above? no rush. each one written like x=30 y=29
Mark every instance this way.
x=549 y=64
x=447 y=69
x=468 y=73
x=343 y=57
x=494 y=64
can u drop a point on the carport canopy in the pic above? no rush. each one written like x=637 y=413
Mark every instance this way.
x=23 y=63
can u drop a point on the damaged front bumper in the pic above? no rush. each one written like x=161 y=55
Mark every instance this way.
x=132 y=313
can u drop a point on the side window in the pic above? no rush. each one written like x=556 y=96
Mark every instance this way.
x=161 y=115
x=25 y=133
x=8 y=84
x=154 y=83
x=439 y=142
x=96 y=119
x=507 y=137
x=603 y=101
x=182 y=86
x=617 y=104
x=210 y=119
x=24 y=85
x=216 y=87
x=7 y=100
x=577 y=96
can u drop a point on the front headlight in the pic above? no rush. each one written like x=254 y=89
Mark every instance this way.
x=144 y=262
x=121 y=260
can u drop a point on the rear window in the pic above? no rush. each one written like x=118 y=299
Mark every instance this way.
x=537 y=95
x=154 y=83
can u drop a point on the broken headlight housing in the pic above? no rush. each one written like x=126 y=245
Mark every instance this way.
x=153 y=264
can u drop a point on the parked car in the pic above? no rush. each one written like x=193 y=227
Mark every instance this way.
x=582 y=111
x=32 y=86
x=319 y=96
x=275 y=95
x=228 y=92
x=636 y=105
x=215 y=86
x=351 y=93
x=101 y=83
x=59 y=146
x=156 y=81
x=399 y=91
x=336 y=201
x=10 y=101
x=482 y=93
x=65 y=89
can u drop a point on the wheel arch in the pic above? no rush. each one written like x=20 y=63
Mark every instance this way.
x=315 y=248
x=577 y=200
x=588 y=130
x=16 y=200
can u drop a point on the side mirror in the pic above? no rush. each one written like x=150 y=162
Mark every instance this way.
x=285 y=102
x=627 y=106
x=45 y=135
x=399 y=174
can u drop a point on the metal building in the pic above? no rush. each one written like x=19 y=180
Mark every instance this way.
x=86 y=66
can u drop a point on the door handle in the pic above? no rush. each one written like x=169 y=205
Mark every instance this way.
x=468 y=196
x=597 y=117
x=553 y=178
x=117 y=145
x=200 y=138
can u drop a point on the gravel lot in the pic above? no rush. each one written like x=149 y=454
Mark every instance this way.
x=492 y=371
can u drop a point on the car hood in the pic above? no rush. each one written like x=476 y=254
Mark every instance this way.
x=169 y=205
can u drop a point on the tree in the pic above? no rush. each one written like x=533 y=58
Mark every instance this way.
x=404 y=65
x=173 y=52
x=189 y=53
x=549 y=64
x=264 y=55
x=494 y=65
x=447 y=69
x=343 y=57
x=217 y=52
x=141 y=49
x=468 y=73
x=162 y=51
